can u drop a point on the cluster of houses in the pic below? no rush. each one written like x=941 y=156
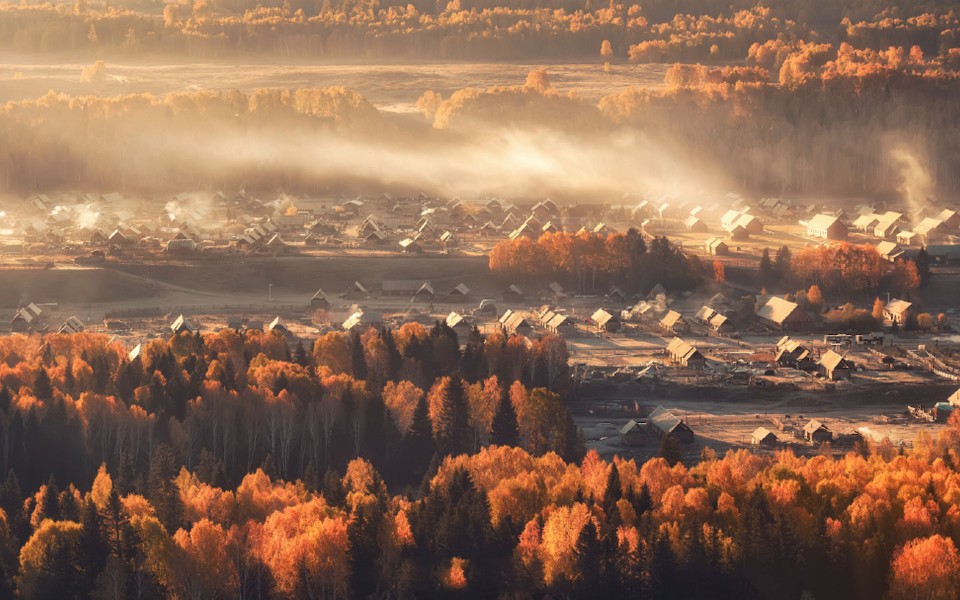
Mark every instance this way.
x=814 y=433
x=897 y=234
x=790 y=353
x=225 y=223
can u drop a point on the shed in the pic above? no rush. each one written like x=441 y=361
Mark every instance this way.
x=664 y=423
x=833 y=366
x=764 y=437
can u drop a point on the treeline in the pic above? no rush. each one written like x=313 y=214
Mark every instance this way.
x=881 y=130
x=591 y=261
x=460 y=29
x=876 y=522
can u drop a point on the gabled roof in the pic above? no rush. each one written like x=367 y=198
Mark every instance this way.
x=461 y=289
x=777 y=310
x=762 y=433
x=602 y=317
x=557 y=320
x=681 y=349
x=814 y=425
x=181 y=324
x=664 y=420
x=897 y=306
x=454 y=319
x=832 y=360
x=705 y=313
x=71 y=325
x=717 y=320
x=320 y=295
x=276 y=325
x=822 y=221
x=671 y=318
x=630 y=426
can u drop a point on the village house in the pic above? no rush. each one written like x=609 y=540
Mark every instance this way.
x=182 y=325
x=71 y=325
x=826 y=227
x=792 y=354
x=752 y=224
x=738 y=233
x=763 y=437
x=715 y=246
x=694 y=225
x=931 y=230
x=460 y=291
x=887 y=224
x=561 y=325
x=816 y=432
x=663 y=423
x=605 y=322
x=513 y=323
x=459 y=325
x=513 y=293
x=866 y=223
x=898 y=311
x=833 y=366
x=26 y=318
x=954 y=398
x=889 y=251
x=362 y=320
x=908 y=238
x=320 y=301
x=685 y=354
x=408 y=246
x=950 y=218
x=782 y=314
x=673 y=322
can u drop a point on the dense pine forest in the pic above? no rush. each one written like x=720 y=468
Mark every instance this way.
x=392 y=464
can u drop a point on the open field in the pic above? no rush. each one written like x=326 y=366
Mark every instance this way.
x=392 y=87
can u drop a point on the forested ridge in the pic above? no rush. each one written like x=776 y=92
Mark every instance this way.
x=470 y=29
x=884 y=123
x=224 y=466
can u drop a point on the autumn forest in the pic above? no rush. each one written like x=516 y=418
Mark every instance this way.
x=390 y=464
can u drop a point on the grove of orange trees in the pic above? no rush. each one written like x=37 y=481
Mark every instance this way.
x=593 y=261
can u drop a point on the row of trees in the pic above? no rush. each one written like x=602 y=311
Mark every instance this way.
x=595 y=261
x=872 y=523
x=849 y=267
